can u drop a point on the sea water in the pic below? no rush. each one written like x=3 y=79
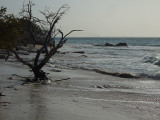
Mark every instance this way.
x=141 y=57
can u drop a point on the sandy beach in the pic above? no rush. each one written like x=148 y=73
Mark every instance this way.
x=80 y=60
x=76 y=95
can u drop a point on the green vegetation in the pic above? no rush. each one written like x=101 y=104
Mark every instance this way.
x=10 y=31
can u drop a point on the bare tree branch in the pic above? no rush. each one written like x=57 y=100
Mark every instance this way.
x=55 y=17
x=20 y=59
x=54 y=50
x=71 y=32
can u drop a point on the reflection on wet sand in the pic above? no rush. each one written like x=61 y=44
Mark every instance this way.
x=37 y=102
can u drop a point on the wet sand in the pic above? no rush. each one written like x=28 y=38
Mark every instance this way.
x=84 y=95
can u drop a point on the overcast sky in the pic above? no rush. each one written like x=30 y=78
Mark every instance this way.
x=102 y=18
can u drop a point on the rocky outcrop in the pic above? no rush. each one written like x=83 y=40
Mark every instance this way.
x=121 y=44
x=108 y=44
x=112 y=45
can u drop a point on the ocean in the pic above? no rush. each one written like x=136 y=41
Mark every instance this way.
x=141 y=57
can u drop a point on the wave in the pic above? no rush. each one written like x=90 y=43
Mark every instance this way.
x=124 y=75
x=150 y=76
x=154 y=45
x=152 y=59
x=115 y=74
x=129 y=75
x=157 y=63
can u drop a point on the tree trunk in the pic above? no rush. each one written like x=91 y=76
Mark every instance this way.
x=39 y=75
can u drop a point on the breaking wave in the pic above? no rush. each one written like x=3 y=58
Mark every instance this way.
x=152 y=59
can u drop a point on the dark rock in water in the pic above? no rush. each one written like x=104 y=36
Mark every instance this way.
x=63 y=52
x=108 y=44
x=121 y=44
x=112 y=45
x=99 y=45
x=10 y=78
x=80 y=52
x=99 y=86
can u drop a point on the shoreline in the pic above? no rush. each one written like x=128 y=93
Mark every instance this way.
x=82 y=96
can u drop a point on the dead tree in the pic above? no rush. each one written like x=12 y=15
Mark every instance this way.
x=51 y=19
x=26 y=13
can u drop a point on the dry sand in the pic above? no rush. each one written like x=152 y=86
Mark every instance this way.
x=85 y=96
